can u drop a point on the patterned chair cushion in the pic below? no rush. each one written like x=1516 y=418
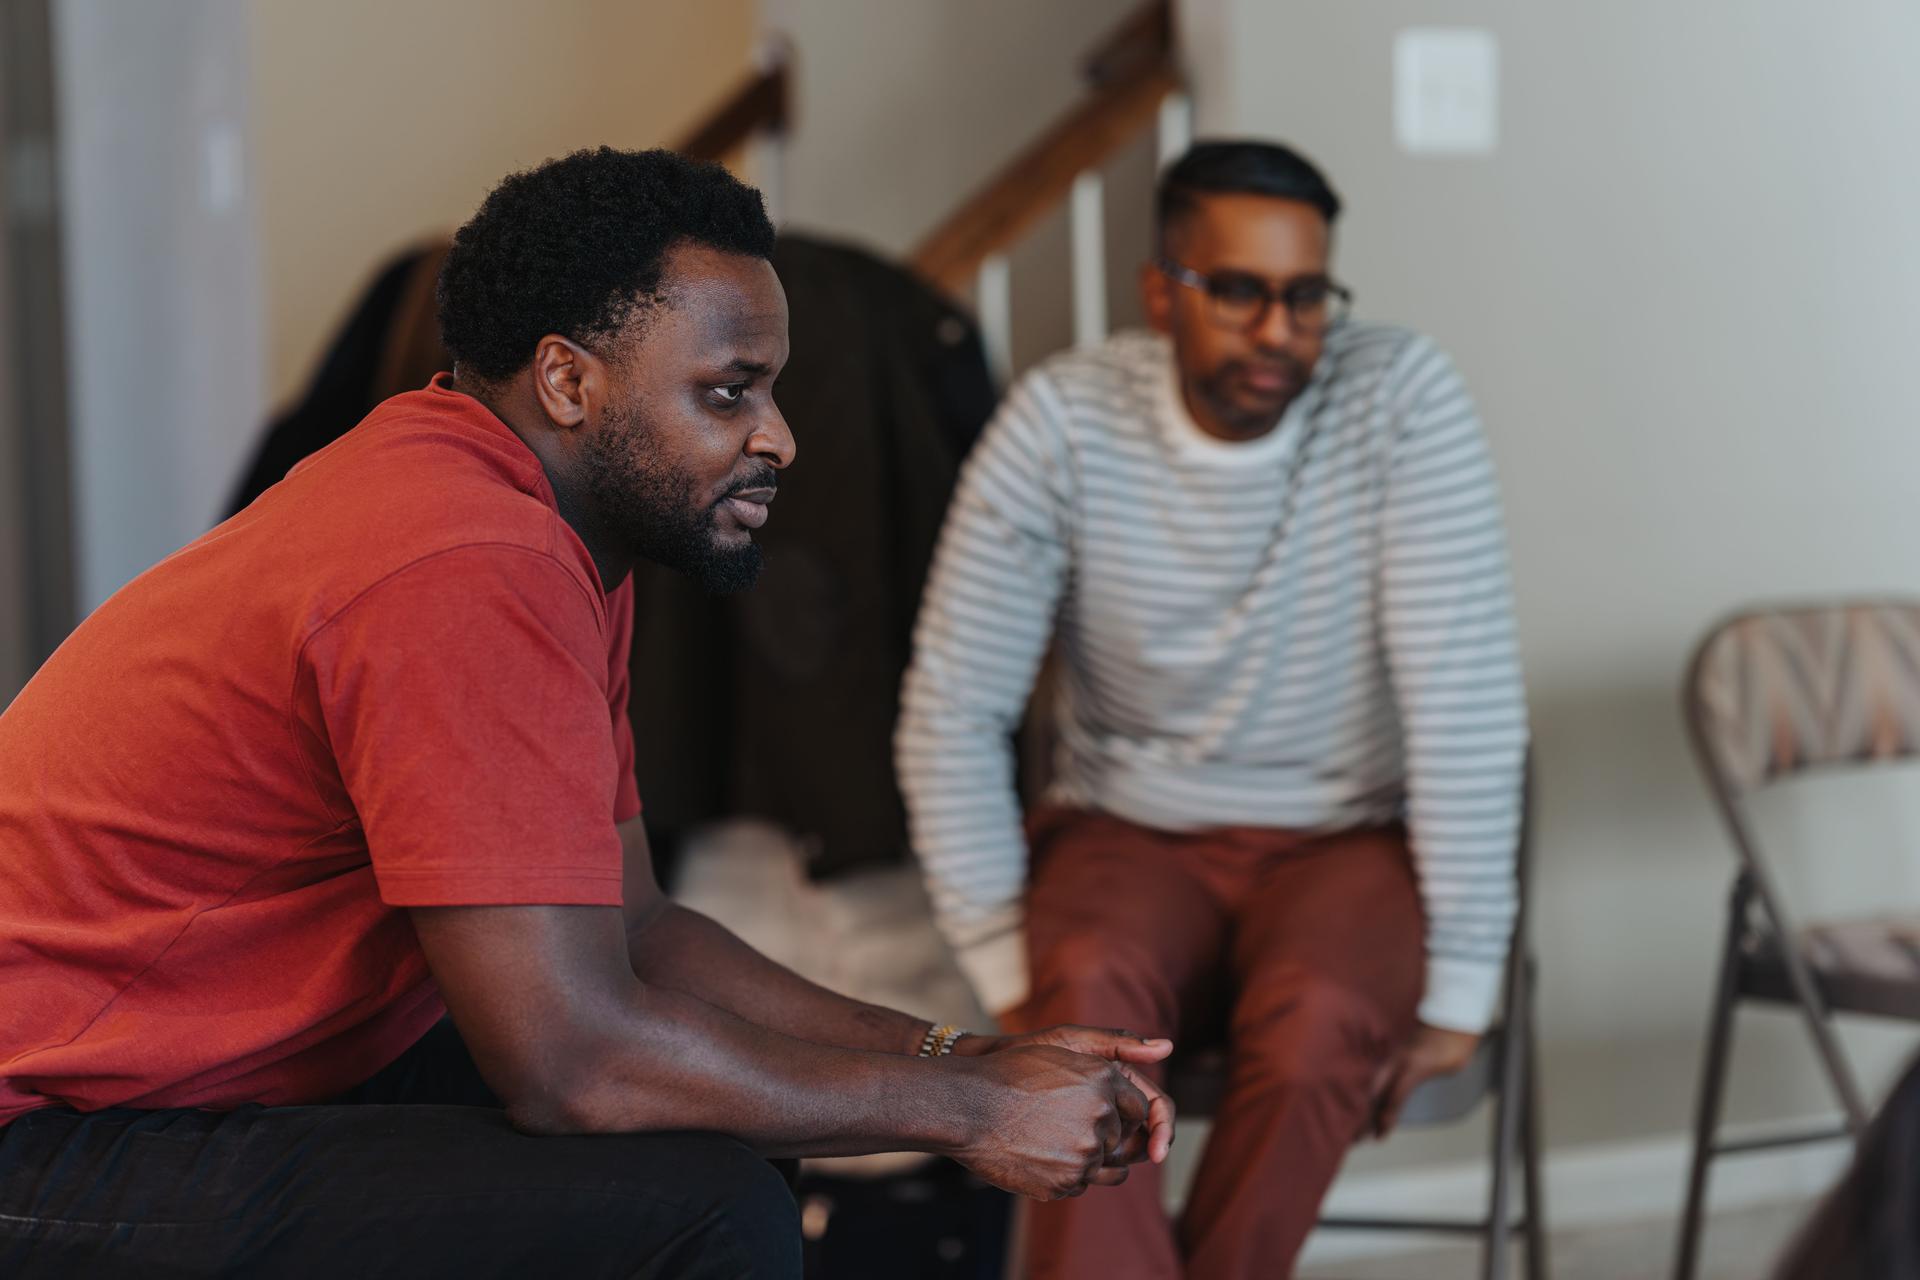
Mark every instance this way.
x=1776 y=691
x=1861 y=966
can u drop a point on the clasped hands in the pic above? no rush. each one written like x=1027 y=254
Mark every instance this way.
x=1073 y=1109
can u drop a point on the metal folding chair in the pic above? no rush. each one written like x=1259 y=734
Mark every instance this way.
x=1770 y=694
x=1505 y=1069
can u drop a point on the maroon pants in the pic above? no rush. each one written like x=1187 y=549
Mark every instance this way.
x=1307 y=949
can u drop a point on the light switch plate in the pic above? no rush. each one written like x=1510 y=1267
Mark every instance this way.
x=1446 y=90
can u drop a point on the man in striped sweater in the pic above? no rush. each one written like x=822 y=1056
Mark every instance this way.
x=1266 y=544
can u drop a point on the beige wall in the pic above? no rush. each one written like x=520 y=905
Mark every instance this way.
x=1685 y=292
x=16 y=595
x=159 y=274
x=904 y=110
x=377 y=123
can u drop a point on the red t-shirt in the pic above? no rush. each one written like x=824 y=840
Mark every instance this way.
x=393 y=681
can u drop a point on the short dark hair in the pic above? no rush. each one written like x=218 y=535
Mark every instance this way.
x=577 y=244
x=1236 y=166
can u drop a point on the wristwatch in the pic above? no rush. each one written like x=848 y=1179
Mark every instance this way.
x=938 y=1042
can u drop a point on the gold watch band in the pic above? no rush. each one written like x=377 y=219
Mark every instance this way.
x=939 y=1041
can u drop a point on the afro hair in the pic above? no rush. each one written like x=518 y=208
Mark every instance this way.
x=577 y=247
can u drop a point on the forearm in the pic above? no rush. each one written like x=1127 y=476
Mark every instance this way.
x=1453 y=655
x=965 y=822
x=684 y=951
x=667 y=1060
x=1465 y=765
x=986 y=618
x=957 y=775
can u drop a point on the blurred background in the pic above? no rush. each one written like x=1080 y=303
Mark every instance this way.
x=1670 y=244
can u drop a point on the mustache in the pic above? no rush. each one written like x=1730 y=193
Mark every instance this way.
x=1289 y=364
x=761 y=477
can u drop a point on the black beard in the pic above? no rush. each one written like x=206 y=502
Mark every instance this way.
x=656 y=512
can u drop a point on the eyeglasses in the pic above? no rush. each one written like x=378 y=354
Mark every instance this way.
x=1242 y=302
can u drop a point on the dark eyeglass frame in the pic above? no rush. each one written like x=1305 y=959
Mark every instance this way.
x=1286 y=295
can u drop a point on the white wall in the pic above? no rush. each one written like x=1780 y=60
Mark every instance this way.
x=1685 y=291
x=15 y=592
x=902 y=111
x=382 y=123
x=162 y=273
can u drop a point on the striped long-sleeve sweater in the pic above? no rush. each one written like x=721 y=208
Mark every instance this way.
x=1311 y=630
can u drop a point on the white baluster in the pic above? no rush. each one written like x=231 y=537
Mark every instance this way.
x=769 y=169
x=1089 y=233
x=1176 y=127
x=993 y=301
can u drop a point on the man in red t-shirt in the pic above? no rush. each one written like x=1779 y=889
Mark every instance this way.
x=359 y=758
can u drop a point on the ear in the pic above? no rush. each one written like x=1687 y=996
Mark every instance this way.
x=566 y=379
x=1156 y=298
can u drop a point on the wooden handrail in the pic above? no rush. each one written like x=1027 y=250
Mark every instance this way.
x=760 y=105
x=1145 y=37
x=1040 y=177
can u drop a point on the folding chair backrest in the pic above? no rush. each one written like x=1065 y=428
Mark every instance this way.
x=1774 y=692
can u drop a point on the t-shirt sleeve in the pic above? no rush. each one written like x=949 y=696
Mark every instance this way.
x=466 y=699
x=626 y=799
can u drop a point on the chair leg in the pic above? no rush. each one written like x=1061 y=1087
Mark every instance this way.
x=1506 y=1125
x=1536 y=1224
x=1713 y=1075
x=1813 y=1008
x=1832 y=1057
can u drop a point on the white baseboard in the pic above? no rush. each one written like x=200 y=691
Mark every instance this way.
x=1597 y=1185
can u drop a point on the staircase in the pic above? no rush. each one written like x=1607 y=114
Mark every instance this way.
x=1133 y=84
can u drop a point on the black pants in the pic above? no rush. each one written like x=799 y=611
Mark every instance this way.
x=415 y=1173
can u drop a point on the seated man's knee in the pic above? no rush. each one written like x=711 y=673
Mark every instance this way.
x=742 y=1217
x=1097 y=978
x=1306 y=1028
x=758 y=1212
